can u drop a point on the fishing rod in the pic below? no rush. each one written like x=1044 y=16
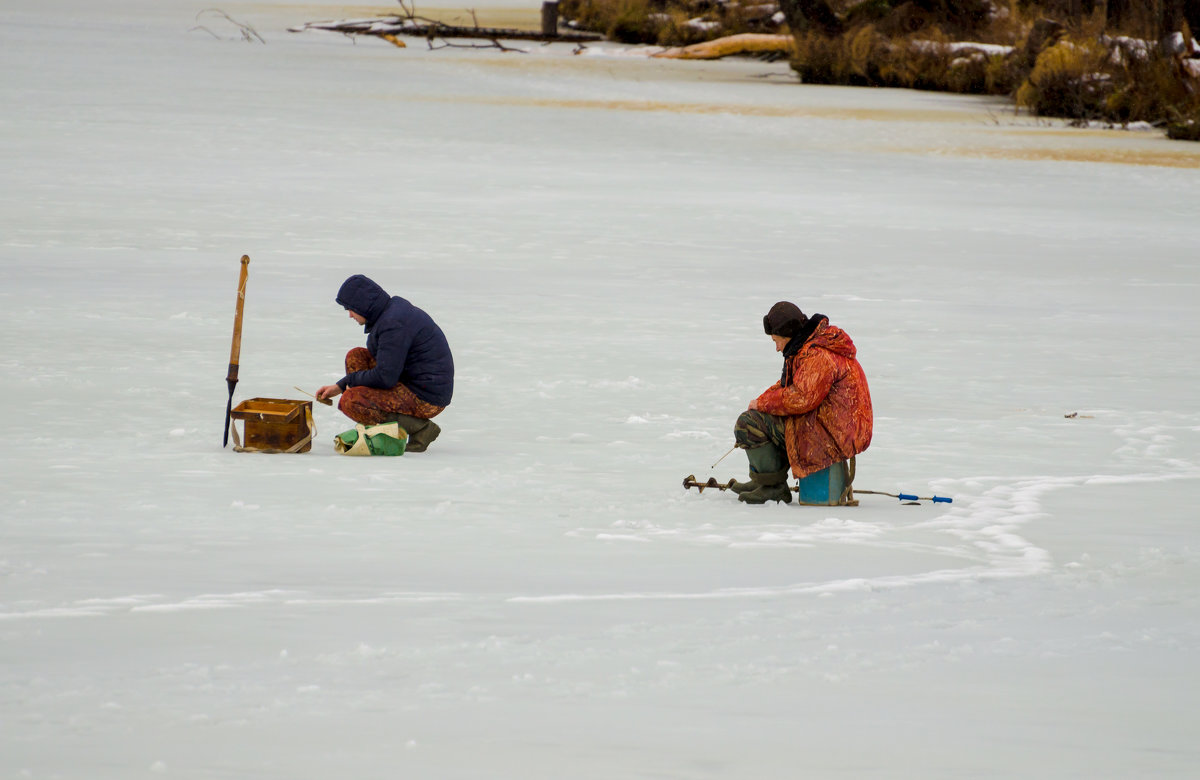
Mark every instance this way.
x=723 y=457
x=326 y=401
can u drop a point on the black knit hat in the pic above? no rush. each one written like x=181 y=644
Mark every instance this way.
x=784 y=319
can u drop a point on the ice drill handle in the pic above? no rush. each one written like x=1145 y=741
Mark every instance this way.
x=235 y=349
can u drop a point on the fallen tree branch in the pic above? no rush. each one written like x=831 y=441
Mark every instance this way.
x=730 y=45
x=399 y=26
x=421 y=27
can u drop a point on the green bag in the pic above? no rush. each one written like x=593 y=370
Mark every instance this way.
x=383 y=439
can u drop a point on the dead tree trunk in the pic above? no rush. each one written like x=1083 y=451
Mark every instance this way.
x=1068 y=11
x=1150 y=18
x=1073 y=12
x=1119 y=14
x=1191 y=13
x=813 y=15
x=1170 y=17
x=550 y=17
x=1045 y=33
x=966 y=16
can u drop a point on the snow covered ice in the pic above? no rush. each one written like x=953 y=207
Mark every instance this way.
x=599 y=236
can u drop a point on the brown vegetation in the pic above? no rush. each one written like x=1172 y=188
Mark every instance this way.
x=1115 y=61
x=670 y=22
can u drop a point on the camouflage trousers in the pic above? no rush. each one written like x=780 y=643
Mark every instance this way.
x=762 y=436
x=374 y=405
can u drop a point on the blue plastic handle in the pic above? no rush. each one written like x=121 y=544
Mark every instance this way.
x=942 y=500
x=907 y=497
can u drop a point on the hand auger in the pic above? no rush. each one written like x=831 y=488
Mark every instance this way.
x=235 y=351
x=690 y=482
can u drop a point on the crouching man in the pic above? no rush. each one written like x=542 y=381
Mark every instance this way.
x=817 y=414
x=405 y=374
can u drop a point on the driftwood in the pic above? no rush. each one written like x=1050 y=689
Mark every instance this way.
x=398 y=25
x=731 y=45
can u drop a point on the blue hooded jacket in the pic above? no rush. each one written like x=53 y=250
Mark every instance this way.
x=406 y=343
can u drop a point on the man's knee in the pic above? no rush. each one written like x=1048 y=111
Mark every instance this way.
x=751 y=430
x=350 y=400
x=359 y=359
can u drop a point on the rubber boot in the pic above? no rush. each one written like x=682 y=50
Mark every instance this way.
x=768 y=487
x=765 y=461
x=743 y=487
x=421 y=432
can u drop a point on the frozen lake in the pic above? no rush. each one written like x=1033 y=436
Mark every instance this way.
x=599 y=234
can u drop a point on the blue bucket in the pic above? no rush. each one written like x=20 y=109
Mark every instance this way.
x=825 y=487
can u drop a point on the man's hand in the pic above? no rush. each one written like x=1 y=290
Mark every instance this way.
x=753 y=407
x=327 y=392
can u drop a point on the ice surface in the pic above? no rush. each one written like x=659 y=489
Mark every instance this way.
x=536 y=596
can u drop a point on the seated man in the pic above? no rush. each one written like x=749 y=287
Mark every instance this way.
x=817 y=414
x=406 y=372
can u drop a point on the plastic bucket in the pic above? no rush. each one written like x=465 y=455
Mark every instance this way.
x=824 y=487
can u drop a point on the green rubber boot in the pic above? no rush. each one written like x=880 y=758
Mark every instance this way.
x=743 y=487
x=768 y=466
x=768 y=487
x=421 y=432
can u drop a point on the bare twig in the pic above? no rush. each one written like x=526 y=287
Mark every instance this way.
x=205 y=29
x=411 y=15
x=249 y=34
x=494 y=44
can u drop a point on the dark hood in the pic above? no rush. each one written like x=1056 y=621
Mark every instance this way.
x=363 y=296
x=784 y=319
x=807 y=329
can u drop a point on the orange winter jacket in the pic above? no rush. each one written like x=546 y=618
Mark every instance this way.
x=824 y=400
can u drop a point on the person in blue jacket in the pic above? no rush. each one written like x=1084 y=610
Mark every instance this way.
x=406 y=372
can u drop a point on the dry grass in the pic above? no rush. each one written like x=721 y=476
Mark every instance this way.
x=899 y=43
x=1067 y=81
x=1111 y=81
x=867 y=58
x=1084 y=77
x=661 y=22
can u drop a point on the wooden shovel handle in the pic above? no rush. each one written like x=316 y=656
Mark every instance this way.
x=236 y=350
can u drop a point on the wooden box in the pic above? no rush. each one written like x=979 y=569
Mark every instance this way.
x=274 y=425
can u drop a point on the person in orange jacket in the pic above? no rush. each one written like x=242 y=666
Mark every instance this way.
x=817 y=414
